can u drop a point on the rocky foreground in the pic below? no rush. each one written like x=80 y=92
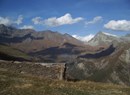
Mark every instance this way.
x=22 y=84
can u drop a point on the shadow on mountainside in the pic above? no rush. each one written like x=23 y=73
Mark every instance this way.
x=67 y=49
x=103 y=53
x=4 y=39
x=11 y=58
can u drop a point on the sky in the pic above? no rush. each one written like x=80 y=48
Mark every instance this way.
x=79 y=18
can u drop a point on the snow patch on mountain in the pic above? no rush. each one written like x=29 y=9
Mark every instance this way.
x=109 y=34
x=84 y=38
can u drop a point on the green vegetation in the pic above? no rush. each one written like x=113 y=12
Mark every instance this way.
x=21 y=84
x=12 y=52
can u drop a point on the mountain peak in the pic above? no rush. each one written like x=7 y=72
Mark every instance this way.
x=127 y=35
x=103 y=38
x=67 y=35
x=2 y=25
x=6 y=29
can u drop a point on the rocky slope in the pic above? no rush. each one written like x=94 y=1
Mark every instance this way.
x=114 y=67
x=106 y=58
x=111 y=64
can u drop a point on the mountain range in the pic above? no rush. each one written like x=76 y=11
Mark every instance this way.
x=105 y=58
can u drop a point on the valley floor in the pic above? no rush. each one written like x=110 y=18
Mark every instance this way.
x=21 y=84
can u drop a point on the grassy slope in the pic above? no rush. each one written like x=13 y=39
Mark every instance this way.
x=19 y=84
x=12 y=52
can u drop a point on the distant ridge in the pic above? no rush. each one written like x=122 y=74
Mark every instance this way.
x=29 y=40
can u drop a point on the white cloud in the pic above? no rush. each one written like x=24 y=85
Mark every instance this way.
x=54 y=21
x=19 y=20
x=95 y=20
x=7 y=21
x=37 y=20
x=27 y=27
x=121 y=25
x=84 y=38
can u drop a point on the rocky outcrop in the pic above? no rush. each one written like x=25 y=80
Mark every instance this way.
x=113 y=68
x=45 y=70
x=125 y=56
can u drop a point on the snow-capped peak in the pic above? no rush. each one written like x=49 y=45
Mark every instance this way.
x=109 y=34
